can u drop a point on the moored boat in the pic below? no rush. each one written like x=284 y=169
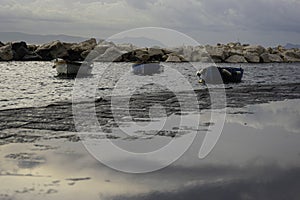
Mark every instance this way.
x=147 y=68
x=217 y=75
x=72 y=68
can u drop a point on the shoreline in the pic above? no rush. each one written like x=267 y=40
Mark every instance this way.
x=109 y=52
x=58 y=116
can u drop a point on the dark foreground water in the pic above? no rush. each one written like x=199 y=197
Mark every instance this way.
x=256 y=157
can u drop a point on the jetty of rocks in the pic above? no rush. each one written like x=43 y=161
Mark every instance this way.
x=104 y=51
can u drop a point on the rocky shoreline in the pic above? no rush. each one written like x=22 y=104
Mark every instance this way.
x=104 y=51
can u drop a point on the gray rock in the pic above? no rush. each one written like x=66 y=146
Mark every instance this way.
x=52 y=50
x=1 y=44
x=173 y=58
x=32 y=57
x=126 y=47
x=199 y=56
x=6 y=53
x=85 y=45
x=81 y=50
x=100 y=49
x=155 y=52
x=216 y=53
x=267 y=58
x=32 y=47
x=20 y=50
x=112 y=54
x=177 y=50
x=291 y=56
x=236 y=59
x=141 y=54
x=235 y=51
x=257 y=49
x=252 y=57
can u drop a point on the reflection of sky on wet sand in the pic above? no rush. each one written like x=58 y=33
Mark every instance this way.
x=285 y=114
x=257 y=157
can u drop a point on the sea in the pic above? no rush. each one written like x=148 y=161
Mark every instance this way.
x=27 y=84
x=257 y=154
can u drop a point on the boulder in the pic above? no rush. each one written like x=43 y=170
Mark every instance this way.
x=16 y=45
x=85 y=45
x=81 y=50
x=234 y=44
x=267 y=58
x=141 y=54
x=235 y=51
x=257 y=49
x=187 y=52
x=1 y=44
x=173 y=58
x=6 y=53
x=216 y=53
x=199 y=55
x=20 y=50
x=155 y=54
x=112 y=54
x=52 y=50
x=101 y=48
x=252 y=57
x=291 y=56
x=236 y=59
x=177 y=50
x=32 y=57
x=32 y=47
x=126 y=47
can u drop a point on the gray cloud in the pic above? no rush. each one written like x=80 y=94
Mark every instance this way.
x=272 y=21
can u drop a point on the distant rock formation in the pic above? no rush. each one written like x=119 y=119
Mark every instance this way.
x=109 y=52
x=292 y=46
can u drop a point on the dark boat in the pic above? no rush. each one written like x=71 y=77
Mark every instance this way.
x=217 y=75
x=147 y=68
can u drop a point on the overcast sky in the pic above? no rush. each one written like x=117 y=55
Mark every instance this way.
x=267 y=22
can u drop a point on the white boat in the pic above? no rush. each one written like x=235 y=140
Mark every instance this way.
x=72 y=68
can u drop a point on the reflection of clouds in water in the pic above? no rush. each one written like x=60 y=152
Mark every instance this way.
x=269 y=182
x=285 y=114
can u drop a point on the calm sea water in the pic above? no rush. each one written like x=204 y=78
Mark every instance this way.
x=27 y=84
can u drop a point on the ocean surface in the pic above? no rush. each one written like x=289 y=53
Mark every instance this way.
x=27 y=84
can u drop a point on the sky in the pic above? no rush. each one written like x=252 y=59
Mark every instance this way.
x=266 y=22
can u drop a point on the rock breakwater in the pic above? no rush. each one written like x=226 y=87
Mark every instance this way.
x=104 y=51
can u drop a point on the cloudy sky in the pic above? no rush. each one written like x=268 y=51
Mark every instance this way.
x=267 y=22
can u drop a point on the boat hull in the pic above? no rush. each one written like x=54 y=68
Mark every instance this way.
x=231 y=74
x=218 y=75
x=147 y=68
x=73 y=68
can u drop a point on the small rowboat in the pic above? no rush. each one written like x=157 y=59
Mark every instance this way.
x=217 y=75
x=72 y=68
x=147 y=68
